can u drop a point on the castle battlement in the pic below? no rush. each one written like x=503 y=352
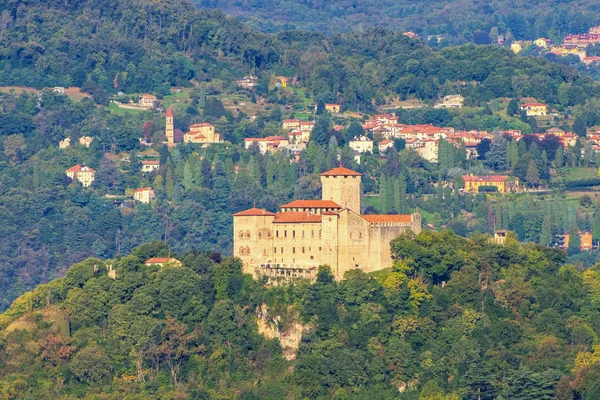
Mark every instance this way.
x=293 y=243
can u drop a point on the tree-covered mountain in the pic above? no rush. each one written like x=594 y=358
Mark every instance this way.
x=459 y=20
x=509 y=321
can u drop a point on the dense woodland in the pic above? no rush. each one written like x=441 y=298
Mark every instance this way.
x=457 y=20
x=50 y=223
x=511 y=322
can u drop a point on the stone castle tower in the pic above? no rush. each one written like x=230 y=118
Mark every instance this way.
x=169 y=131
x=342 y=186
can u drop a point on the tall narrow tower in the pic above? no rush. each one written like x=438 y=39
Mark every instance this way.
x=342 y=185
x=169 y=128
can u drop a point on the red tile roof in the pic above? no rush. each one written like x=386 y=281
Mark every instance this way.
x=311 y=204
x=375 y=218
x=341 y=171
x=150 y=162
x=141 y=190
x=80 y=168
x=200 y=125
x=254 y=212
x=296 y=217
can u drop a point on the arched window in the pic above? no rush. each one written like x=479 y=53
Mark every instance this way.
x=247 y=251
x=241 y=234
x=242 y=250
x=247 y=234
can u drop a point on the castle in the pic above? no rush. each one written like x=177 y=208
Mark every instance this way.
x=293 y=243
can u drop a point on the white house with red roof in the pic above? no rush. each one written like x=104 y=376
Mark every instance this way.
x=293 y=242
x=144 y=195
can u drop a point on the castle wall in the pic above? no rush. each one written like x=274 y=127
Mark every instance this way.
x=253 y=240
x=298 y=244
x=353 y=243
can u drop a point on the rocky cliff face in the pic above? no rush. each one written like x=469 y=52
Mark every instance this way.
x=289 y=336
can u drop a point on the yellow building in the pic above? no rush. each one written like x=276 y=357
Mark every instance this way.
x=332 y=108
x=534 y=109
x=502 y=182
x=162 y=261
x=82 y=173
x=202 y=133
x=516 y=47
x=305 y=234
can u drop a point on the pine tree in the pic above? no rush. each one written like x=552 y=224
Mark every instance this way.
x=533 y=174
x=390 y=192
x=496 y=157
x=579 y=127
x=382 y=194
x=188 y=180
x=513 y=108
x=546 y=234
x=513 y=153
x=559 y=160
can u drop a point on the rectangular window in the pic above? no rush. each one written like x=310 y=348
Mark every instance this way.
x=275 y=250
x=282 y=250
x=302 y=249
x=312 y=233
x=276 y=233
x=294 y=250
x=319 y=249
x=285 y=233
x=312 y=257
x=302 y=232
x=294 y=233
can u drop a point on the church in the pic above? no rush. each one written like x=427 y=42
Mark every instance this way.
x=305 y=234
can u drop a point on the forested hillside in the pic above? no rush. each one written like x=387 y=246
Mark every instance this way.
x=457 y=19
x=455 y=319
x=49 y=222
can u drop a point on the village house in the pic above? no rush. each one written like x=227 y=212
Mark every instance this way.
x=361 y=144
x=591 y=61
x=86 y=141
x=150 y=165
x=516 y=47
x=562 y=241
x=583 y=39
x=384 y=145
x=162 y=261
x=452 y=101
x=410 y=34
x=565 y=49
x=305 y=234
x=63 y=144
x=248 y=82
x=143 y=195
x=503 y=183
x=542 y=42
x=271 y=144
x=147 y=101
x=332 y=108
x=429 y=150
x=82 y=173
x=534 y=109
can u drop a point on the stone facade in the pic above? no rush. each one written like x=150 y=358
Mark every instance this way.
x=305 y=234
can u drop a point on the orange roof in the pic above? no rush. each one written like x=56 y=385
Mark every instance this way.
x=254 y=212
x=341 y=171
x=169 y=113
x=375 y=218
x=150 y=162
x=489 y=178
x=533 y=105
x=311 y=204
x=197 y=135
x=79 y=168
x=141 y=190
x=296 y=217
x=200 y=125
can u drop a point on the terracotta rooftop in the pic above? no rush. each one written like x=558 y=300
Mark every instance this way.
x=296 y=217
x=200 y=125
x=80 y=168
x=169 y=113
x=151 y=162
x=253 y=212
x=341 y=171
x=142 y=189
x=311 y=204
x=375 y=218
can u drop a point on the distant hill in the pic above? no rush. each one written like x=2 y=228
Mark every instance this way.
x=456 y=18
